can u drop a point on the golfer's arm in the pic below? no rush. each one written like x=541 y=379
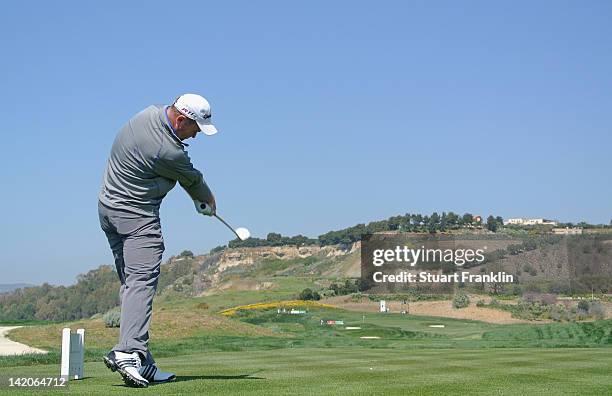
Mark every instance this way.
x=179 y=168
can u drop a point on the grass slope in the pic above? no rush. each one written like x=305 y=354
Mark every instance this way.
x=258 y=351
x=187 y=325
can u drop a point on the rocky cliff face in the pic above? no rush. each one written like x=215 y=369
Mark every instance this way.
x=207 y=271
x=230 y=258
x=247 y=256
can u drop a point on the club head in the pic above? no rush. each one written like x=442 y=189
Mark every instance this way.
x=243 y=233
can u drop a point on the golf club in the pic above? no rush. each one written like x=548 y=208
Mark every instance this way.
x=241 y=232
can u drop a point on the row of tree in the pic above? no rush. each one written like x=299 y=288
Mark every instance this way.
x=584 y=224
x=95 y=292
x=406 y=223
x=274 y=239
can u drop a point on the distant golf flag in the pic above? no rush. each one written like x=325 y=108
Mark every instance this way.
x=73 y=348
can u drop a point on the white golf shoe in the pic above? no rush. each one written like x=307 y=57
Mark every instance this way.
x=152 y=374
x=129 y=366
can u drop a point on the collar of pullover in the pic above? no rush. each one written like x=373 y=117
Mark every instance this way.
x=168 y=126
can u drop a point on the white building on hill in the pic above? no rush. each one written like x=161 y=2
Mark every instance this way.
x=529 y=222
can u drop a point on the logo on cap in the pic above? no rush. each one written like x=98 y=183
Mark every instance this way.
x=189 y=112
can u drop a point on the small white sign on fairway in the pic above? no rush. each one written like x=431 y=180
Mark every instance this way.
x=73 y=350
x=383 y=306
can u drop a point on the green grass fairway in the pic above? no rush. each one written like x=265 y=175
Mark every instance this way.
x=256 y=350
x=351 y=371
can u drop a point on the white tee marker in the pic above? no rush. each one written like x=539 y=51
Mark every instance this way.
x=73 y=350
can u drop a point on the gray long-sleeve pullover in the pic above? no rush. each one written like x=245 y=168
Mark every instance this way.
x=146 y=161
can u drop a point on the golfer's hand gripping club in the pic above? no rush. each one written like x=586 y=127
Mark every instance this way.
x=206 y=209
x=203 y=208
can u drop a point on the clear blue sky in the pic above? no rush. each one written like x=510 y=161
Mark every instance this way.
x=330 y=114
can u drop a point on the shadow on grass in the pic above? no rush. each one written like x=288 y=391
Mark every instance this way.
x=181 y=378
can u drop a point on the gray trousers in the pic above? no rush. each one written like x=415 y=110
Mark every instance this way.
x=137 y=245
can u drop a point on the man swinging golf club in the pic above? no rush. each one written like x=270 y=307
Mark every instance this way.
x=148 y=157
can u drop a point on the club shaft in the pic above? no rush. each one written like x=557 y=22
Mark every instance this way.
x=227 y=225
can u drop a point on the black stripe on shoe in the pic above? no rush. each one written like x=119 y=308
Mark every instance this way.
x=148 y=372
x=123 y=363
x=145 y=372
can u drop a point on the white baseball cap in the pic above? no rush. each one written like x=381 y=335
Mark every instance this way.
x=196 y=108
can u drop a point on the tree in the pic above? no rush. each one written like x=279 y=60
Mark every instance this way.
x=94 y=292
x=350 y=287
x=186 y=254
x=300 y=240
x=395 y=222
x=307 y=294
x=274 y=239
x=443 y=221
x=434 y=222
x=491 y=223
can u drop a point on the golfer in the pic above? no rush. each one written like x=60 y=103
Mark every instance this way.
x=148 y=157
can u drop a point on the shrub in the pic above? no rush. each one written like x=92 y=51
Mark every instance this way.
x=558 y=313
x=217 y=249
x=597 y=310
x=308 y=294
x=113 y=317
x=349 y=287
x=356 y=297
x=530 y=269
x=461 y=300
x=583 y=305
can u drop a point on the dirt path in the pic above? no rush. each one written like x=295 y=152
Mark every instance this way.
x=430 y=308
x=445 y=308
x=8 y=347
